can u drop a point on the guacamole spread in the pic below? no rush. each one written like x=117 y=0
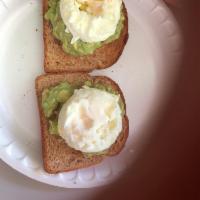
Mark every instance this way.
x=53 y=98
x=78 y=48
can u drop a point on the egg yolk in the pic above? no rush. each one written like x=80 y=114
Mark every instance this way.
x=93 y=7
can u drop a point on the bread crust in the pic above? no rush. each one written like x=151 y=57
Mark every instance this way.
x=56 y=60
x=57 y=155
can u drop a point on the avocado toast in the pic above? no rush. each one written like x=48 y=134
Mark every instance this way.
x=58 y=156
x=62 y=56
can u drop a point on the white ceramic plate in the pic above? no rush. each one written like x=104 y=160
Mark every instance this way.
x=145 y=72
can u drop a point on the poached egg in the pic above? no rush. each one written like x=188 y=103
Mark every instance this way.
x=90 y=20
x=91 y=120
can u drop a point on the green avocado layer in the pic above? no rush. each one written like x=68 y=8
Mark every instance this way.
x=78 y=48
x=53 y=98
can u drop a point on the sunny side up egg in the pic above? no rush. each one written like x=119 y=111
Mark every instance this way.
x=90 y=20
x=91 y=120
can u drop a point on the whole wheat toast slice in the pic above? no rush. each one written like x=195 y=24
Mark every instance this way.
x=56 y=60
x=57 y=155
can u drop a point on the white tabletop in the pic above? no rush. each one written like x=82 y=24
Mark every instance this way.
x=13 y=184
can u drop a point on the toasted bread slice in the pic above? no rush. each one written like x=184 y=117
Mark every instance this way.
x=57 y=155
x=56 y=60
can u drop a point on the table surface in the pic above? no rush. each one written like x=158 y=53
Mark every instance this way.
x=13 y=184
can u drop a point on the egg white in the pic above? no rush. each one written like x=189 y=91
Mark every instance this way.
x=91 y=120
x=90 y=28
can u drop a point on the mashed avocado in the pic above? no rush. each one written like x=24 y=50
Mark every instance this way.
x=90 y=155
x=78 y=48
x=54 y=97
